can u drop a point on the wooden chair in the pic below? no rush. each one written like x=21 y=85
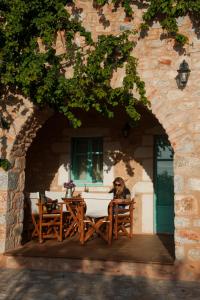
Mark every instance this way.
x=34 y=201
x=55 y=195
x=96 y=213
x=50 y=221
x=123 y=217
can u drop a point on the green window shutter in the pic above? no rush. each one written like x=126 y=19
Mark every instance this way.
x=87 y=160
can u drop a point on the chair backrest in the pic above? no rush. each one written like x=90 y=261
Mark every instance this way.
x=97 y=204
x=124 y=206
x=34 y=199
x=56 y=196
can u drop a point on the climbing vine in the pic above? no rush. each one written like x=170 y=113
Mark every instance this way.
x=30 y=66
x=166 y=12
x=40 y=75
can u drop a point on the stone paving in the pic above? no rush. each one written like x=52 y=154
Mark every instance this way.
x=29 y=284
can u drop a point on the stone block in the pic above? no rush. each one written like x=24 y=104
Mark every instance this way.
x=2 y=219
x=185 y=146
x=191 y=235
x=182 y=222
x=196 y=223
x=187 y=206
x=178 y=184
x=102 y=30
x=2 y=245
x=3 y=201
x=20 y=163
x=3 y=181
x=184 y=240
x=194 y=127
x=165 y=61
x=124 y=27
x=180 y=252
x=156 y=43
x=186 y=162
x=194 y=254
x=174 y=94
x=194 y=184
x=13 y=179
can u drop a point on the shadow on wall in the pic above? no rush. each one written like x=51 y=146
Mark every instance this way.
x=49 y=149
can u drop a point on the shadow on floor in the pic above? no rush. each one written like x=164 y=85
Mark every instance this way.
x=141 y=248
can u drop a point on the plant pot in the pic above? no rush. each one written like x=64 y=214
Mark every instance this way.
x=69 y=193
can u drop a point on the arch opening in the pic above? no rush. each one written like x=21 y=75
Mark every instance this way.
x=132 y=157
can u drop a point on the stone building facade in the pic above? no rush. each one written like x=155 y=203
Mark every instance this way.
x=174 y=112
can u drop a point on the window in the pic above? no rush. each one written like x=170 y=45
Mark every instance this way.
x=87 y=160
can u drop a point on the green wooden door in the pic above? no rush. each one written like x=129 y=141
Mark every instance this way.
x=163 y=186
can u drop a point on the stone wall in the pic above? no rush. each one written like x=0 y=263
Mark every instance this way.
x=26 y=121
x=177 y=110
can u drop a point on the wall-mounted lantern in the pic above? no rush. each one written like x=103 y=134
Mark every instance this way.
x=183 y=74
x=128 y=126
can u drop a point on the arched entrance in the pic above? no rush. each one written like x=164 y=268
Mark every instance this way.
x=12 y=183
x=131 y=157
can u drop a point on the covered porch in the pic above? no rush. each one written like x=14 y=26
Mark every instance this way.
x=142 y=248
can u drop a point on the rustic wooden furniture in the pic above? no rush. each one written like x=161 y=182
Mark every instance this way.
x=34 y=200
x=74 y=207
x=123 y=217
x=96 y=216
x=55 y=195
x=50 y=222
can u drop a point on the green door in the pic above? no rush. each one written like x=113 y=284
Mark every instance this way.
x=163 y=186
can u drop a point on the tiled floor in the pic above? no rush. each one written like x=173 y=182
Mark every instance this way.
x=141 y=248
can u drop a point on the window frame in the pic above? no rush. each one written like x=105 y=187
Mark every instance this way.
x=89 y=180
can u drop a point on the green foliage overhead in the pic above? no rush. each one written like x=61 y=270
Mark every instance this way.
x=164 y=11
x=40 y=76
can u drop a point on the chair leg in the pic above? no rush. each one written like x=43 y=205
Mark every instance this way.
x=116 y=227
x=109 y=233
x=131 y=224
x=40 y=230
x=61 y=228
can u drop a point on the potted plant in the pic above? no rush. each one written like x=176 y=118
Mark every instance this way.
x=70 y=188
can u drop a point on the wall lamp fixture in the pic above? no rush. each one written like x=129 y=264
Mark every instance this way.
x=183 y=74
x=128 y=126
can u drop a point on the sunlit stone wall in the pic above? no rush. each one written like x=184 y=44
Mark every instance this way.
x=177 y=110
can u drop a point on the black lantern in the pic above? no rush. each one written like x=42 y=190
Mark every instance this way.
x=183 y=74
x=128 y=126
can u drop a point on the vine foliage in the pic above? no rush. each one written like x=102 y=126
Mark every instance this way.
x=41 y=75
x=164 y=11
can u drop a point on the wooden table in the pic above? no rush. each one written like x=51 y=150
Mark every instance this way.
x=74 y=207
